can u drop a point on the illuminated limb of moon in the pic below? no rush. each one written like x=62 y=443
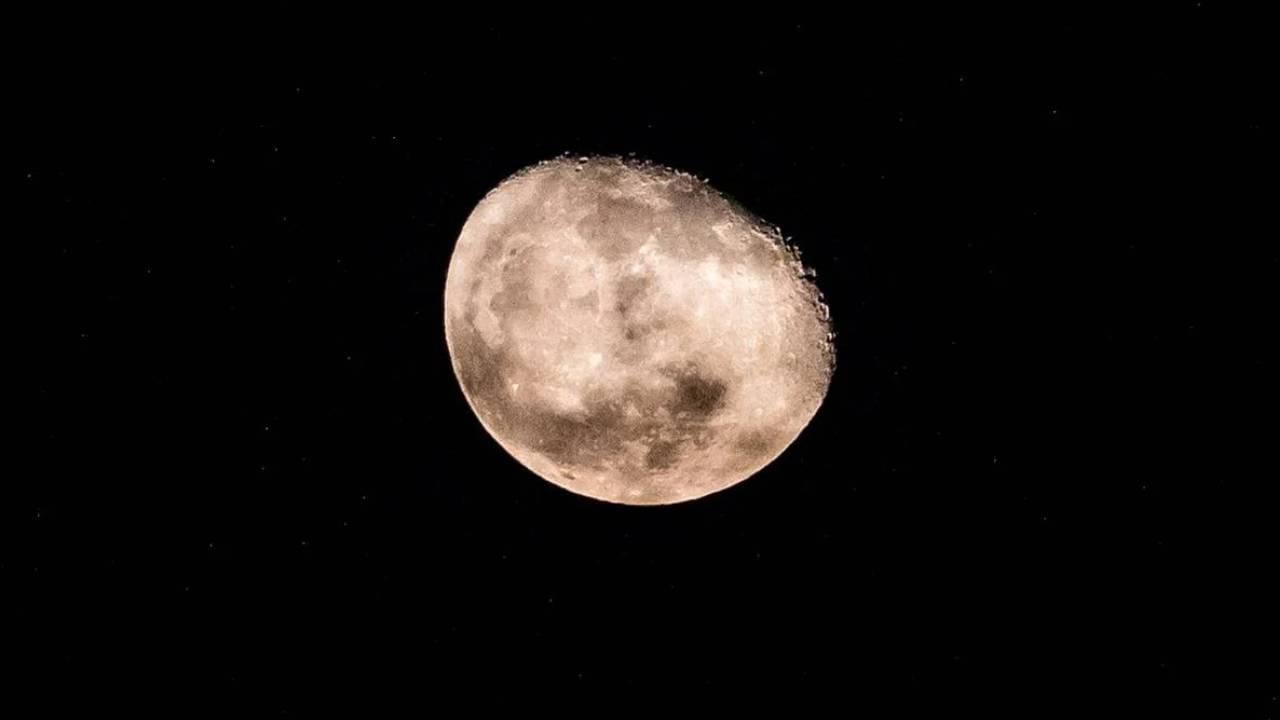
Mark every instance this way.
x=628 y=333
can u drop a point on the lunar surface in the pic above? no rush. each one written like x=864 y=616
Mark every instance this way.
x=628 y=333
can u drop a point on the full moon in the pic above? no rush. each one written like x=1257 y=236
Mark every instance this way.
x=630 y=334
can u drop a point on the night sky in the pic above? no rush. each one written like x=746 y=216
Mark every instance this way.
x=245 y=479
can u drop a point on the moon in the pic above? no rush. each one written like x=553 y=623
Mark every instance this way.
x=628 y=333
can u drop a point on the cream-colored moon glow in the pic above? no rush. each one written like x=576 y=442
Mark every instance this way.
x=629 y=334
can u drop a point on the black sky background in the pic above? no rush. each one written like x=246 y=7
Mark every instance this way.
x=247 y=477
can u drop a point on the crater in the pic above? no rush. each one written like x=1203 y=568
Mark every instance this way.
x=629 y=291
x=756 y=443
x=697 y=395
x=662 y=454
x=617 y=228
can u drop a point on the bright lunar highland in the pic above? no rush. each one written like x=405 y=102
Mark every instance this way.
x=628 y=333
